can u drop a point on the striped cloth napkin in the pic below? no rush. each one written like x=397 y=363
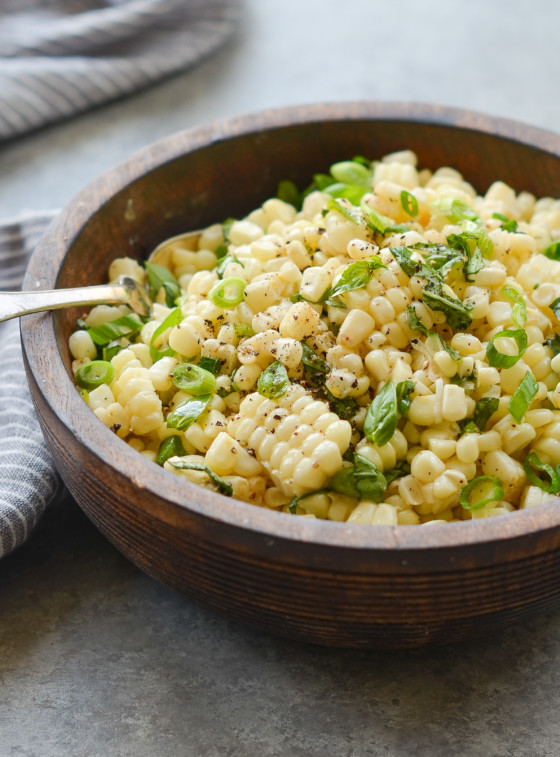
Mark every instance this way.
x=58 y=59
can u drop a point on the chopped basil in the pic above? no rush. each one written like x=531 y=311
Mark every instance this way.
x=211 y=364
x=483 y=411
x=224 y=262
x=292 y=507
x=362 y=480
x=456 y=312
x=495 y=495
x=409 y=203
x=222 y=486
x=555 y=307
x=507 y=224
x=380 y=223
x=315 y=367
x=537 y=472
x=357 y=275
x=170 y=447
x=404 y=391
x=416 y=324
x=554 y=343
x=160 y=277
x=273 y=382
x=499 y=359
x=524 y=395
x=552 y=251
x=519 y=310
x=345 y=407
x=126 y=325
x=381 y=418
x=185 y=414
x=287 y=191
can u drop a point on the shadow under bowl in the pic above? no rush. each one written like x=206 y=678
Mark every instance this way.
x=316 y=581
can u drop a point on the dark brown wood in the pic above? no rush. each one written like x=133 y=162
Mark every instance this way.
x=330 y=583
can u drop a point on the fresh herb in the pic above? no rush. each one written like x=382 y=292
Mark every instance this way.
x=292 y=507
x=380 y=223
x=483 y=411
x=362 y=480
x=243 y=330
x=524 y=395
x=273 y=382
x=172 y=446
x=345 y=407
x=186 y=413
x=315 y=367
x=454 y=210
x=211 y=364
x=93 y=374
x=126 y=325
x=224 y=262
x=193 y=379
x=160 y=277
x=495 y=495
x=110 y=350
x=555 y=307
x=404 y=396
x=542 y=475
x=288 y=192
x=507 y=224
x=416 y=324
x=381 y=418
x=222 y=486
x=456 y=312
x=402 y=468
x=499 y=359
x=357 y=275
x=409 y=203
x=519 y=309
x=552 y=251
x=173 y=319
x=351 y=172
x=554 y=343
x=227 y=293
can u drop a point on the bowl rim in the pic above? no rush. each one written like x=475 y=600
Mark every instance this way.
x=179 y=495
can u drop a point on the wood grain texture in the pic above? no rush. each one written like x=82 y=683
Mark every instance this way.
x=329 y=583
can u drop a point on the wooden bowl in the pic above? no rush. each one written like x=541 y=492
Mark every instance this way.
x=317 y=581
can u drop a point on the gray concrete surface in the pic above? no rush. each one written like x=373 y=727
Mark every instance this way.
x=98 y=660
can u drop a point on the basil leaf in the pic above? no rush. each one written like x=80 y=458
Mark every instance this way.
x=483 y=411
x=456 y=312
x=292 y=507
x=222 y=486
x=416 y=324
x=552 y=251
x=160 y=277
x=357 y=275
x=404 y=400
x=315 y=367
x=345 y=407
x=555 y=307
x=554 y=343
x=496 y=494
x=533 y=467
x=362 y=480
x=524 y=395
x=185 y=414
x=273 y=382
x=508 y=224
x=409 y=203
x=288 y=192
x=381 y=418
x=519 y=310
x=499 y=359
x=401 y=469
x=172 y=446
x=126 y=325
x=403 y=256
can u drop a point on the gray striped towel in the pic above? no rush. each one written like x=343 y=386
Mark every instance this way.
x=59 y=58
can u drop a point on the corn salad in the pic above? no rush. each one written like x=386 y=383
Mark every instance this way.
x=382 y=348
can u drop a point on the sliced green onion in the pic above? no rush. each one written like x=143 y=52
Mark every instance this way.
x=499 y=359
x=193 y=379
x=533 y=467
x=126 y=325
x=227 y=293
x=223 y=487
x=273 y=382
x=409 y=203
x=170 y=447
x=348 y=211
x=224 y=262
x=524 y=395
x=185 y=414
x=110 y=350
x=174 y=318
x=519 y=310
x=351 y=172
x=160 y=277
x=496 y=494
x=381 y=418
x=93 y=374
